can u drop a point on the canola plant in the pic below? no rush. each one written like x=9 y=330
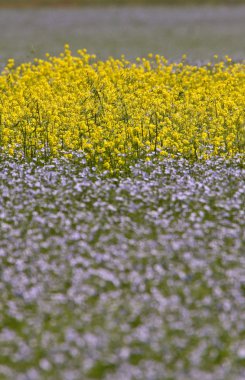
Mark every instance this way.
x=116 y=112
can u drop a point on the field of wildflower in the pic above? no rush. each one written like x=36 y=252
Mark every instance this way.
x=122 y=219
x=117 y=112
x=134 y=277
x=134 y=31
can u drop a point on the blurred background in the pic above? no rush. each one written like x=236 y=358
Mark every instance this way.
x=198 y=28
x=113 y=2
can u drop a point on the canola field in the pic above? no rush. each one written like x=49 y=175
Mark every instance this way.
x=116 y=112
x=122 y=219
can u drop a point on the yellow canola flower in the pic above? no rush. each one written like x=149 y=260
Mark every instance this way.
x=117 y=111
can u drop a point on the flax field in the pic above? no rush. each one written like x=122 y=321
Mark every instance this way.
x=137 y=277
x=122 y=218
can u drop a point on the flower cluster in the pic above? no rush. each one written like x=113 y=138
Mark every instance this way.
x=117 y=112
